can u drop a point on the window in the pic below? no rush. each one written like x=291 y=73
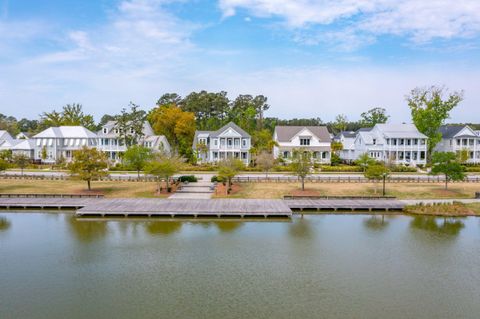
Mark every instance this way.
x=244 y=142
x=285 y=154
x=215 y=154
x=116 y=131
x=237 y=142
x=215 y=142
x=458 y=142
x=402 y=141
x=229 y=142
x=304 y=141
x=202 y=141
x=422 y=141
x=394 y=141
x=374 y=141
x=131 y=130
x=388 y=141
x=422 y=155
x=104 y=130
x=409 y=142
x=244 y=155
x=470 y=142
x=415 y=141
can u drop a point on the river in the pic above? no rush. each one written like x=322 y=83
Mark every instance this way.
x=328 y=266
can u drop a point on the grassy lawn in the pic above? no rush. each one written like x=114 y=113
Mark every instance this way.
x=446 y=210
x=109 y=189
x=400 y=190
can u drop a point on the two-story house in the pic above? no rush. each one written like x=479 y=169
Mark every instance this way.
x=111 y=142
x=316 y=139
x=456 y=138
x=57 y=143
x=347 y=138
x=394 y=143
x=230 y=141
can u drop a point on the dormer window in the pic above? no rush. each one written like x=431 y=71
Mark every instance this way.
x=374 y=141
x=105 y=130
x=116 y=131
x=304 y=141
x=131 y=130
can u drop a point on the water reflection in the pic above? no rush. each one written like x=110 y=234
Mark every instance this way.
x=87 y=231
x=445 y=226
x=376 y=222
x=228 y=226
x=300 y=228
x=4 y=224
x=163 y=227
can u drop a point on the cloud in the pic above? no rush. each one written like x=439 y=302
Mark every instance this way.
x=419 y=21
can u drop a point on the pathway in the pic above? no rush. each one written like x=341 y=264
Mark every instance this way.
x=198 y=190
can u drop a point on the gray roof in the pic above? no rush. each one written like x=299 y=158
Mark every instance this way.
x=233 y=126
x=449 y=131
x=348 y=134
x=286 y=133
x=66 y=132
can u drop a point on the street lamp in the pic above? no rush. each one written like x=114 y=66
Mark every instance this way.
x=384 y=178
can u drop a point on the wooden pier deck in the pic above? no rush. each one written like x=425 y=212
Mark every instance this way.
x=198 y=208
x=187 y=208
x=345 y=204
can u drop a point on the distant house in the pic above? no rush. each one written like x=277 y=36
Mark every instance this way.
x=22 y=136
x=6 y=140
x=24 y=147
x=316 y=139
x=111 y=142
x=395 y=143
x=60 y=142
x=459 y=137
x=347 y=138
x=230 y=141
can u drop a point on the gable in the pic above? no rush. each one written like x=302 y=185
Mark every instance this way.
x=466 y=131
x=230 y=132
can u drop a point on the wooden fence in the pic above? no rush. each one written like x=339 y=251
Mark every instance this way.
x=51 y=196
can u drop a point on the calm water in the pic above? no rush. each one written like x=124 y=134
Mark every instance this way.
x=53 y=266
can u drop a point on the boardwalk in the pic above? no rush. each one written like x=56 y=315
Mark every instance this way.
x=345 y=204
x=194 y=208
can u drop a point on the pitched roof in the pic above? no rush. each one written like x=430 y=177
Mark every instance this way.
x=4 y=135
x=111 y=125
x=66 y=132
x=449 y=131
x=400 y=131
x=233 y=126
x=24 y=145
x=286 y=133
x=348 y=134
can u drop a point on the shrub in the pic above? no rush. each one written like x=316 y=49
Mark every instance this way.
x=200 y=168
x=187 y=178
x=340 y=168
x=472 y=168
x=402 y=169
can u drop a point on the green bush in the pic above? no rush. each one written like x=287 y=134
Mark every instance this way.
x=472 y=169
x=187 y=178
x=402 y=169
x=200 y=167
x=340 y=168
x=282 y=168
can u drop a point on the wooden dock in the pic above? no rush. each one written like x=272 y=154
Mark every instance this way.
x=368 y=205
x=187 y=208
x=198 y=208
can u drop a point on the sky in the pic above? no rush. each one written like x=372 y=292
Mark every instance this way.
x=311 y=58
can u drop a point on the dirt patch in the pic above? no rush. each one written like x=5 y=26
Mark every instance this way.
x=221 y=190
x=306 y=192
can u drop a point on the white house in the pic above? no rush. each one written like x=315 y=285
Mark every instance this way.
x=313 y=138
x=230 y=141
x=347 y=138
x=24 y=147
x=6 y=140
x=111 y=142
x=395 y=143
x=459 y=137
x=60 y=142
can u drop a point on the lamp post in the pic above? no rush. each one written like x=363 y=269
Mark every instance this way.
x=384 y=178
